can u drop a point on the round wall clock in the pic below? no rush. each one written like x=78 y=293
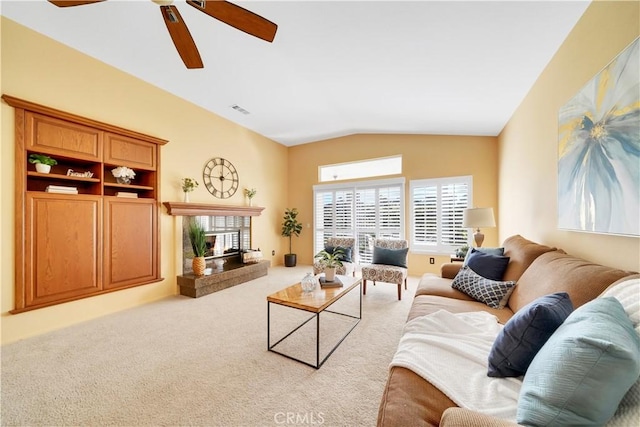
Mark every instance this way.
x=220 y=177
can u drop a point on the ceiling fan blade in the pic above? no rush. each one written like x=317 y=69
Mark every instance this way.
x=67 y=3
x=237 y=17
x=181 y=37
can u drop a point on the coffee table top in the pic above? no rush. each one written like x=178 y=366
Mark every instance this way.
x=315 y=301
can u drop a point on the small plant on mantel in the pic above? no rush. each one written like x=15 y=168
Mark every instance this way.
x=199 y=245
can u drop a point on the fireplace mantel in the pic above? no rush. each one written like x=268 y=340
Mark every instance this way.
x=204 y=209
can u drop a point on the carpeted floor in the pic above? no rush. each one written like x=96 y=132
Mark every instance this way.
x=184 y=361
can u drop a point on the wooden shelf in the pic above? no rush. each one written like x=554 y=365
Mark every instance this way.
x=60 y=176
x=201 y=209
x=130 y=186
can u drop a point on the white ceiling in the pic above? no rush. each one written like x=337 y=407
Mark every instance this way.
x=335 y=67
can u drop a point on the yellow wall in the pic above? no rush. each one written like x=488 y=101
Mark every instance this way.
x=423 y=156
x=528 y=144
x=38 y=69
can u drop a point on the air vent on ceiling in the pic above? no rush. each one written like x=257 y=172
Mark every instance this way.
x=240 y=109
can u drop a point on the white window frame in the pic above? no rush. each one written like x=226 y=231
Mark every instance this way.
x=354 y=187
x=381 y=166
x=438 y=248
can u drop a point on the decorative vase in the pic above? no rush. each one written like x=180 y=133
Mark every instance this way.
x=123 y=180
x=329 y=274
x=186 y=197
x=42 y=168
x=198 y=265
x=250 y=201
x=308 y=283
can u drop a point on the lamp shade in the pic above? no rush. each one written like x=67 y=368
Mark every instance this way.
x=478 y=217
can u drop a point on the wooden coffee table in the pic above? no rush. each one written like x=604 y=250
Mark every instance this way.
x=315 y=302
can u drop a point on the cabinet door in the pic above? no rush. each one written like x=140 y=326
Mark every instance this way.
x=63 y=138
x=131 y=254
x=124 y=151
x=63 y=247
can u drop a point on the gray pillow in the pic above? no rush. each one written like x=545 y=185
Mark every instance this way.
x=397 y=257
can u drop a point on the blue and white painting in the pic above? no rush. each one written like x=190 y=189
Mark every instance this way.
x=599 y=151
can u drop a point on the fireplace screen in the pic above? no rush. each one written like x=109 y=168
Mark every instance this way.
x=222 y=243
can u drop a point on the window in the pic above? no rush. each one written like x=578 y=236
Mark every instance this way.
x=364 y=210
x=436 y=214
x=361 y=169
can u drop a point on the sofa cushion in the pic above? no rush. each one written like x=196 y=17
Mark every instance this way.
x=521 y=253
x=396 y=257
x=430 y=284
x=428 y=304
x=487 y=265
x=491 y=292
x=584 y=370
x=525 y=333
x=559 y=272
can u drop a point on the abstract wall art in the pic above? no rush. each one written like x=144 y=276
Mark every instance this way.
x=599 y=151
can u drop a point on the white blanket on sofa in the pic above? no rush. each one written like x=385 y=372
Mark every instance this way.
x=450 y=351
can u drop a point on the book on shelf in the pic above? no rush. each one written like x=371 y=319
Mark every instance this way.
x=336 y=283
x=61 y=187
x=61 y=190
x=127 y=194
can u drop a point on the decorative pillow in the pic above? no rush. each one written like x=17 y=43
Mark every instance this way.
x=346 y=252
x=584 y=370
x=525 y=333
x=397 y=257
x=491 y=292
x=489 y=266
x=490 y=251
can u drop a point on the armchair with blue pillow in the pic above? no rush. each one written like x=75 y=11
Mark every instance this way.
x=347 y=244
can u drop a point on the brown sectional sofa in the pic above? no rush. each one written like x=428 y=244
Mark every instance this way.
x=409 y=400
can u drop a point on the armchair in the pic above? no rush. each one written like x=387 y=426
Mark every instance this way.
x=348 y=268
x=389 y=264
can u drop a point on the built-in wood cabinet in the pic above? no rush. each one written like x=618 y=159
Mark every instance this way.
x=69 y=245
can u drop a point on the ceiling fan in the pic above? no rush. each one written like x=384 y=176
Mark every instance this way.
x=229 y=13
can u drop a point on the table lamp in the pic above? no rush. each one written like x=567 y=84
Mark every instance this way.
x=476 y=218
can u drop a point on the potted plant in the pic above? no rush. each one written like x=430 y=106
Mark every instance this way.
x=43 y=163
x=188 y=185
x=330 y=261
x=199 y=246
x=250 y=194
x=290 y=227
x=123 y=174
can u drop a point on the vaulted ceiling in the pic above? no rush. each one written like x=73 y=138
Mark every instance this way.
x=335 y=67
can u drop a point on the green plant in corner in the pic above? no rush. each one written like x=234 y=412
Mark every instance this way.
x=41 y=158
x=290 y=227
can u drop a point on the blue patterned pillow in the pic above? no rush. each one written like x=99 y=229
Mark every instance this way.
x=491 y=292
x=525 y=333
x=584 y=370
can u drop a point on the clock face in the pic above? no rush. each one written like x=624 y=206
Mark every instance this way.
x=220 y=177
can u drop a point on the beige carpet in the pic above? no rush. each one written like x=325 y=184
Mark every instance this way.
x=184 y=361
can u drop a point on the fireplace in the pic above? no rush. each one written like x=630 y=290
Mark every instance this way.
x=228 y=232
x=222 y=244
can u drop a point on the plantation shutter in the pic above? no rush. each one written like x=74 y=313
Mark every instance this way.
x=436 y=214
